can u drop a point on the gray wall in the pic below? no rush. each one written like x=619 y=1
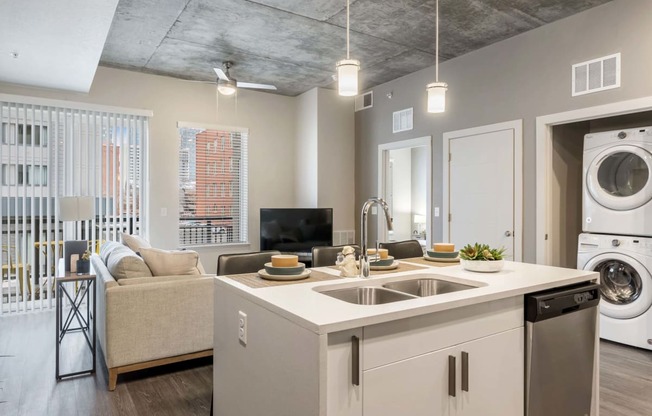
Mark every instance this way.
x=520 y=78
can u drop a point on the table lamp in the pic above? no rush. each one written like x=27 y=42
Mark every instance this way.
x=73 y=209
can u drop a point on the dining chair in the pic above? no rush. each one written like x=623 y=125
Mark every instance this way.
x=327 y=255
x=244 y=262
x=403 y=249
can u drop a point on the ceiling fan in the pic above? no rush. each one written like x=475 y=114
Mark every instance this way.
x=227 y=85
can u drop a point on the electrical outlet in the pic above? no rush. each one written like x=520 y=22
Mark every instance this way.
x=242 y=327
x=436 y=211
x=164 y=212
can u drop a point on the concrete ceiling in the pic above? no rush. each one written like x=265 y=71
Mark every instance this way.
x=292 y=44
x=53 y=44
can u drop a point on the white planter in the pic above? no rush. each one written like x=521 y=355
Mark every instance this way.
x=483 y=266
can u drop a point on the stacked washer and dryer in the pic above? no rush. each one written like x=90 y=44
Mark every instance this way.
x=617 y=231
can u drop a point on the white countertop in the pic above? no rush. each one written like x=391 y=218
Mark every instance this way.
x=319 y=313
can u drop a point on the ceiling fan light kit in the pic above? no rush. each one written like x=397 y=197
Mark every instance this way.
x=227 y=87
x=347 y=69
x=436 y=90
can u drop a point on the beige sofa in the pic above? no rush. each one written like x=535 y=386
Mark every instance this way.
x=148 y=321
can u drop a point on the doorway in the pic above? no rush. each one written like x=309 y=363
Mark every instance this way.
x=566 y=187
x=404 y=182
x=555 y=245
x=483 y=195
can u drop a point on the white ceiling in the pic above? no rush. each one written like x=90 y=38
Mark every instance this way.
x=58 y=43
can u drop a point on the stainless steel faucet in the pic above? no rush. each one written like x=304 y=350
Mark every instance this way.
x=364 y=258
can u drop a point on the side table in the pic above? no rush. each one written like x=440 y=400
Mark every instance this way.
x=83 y=315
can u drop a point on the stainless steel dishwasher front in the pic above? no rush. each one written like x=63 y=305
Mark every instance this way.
x=560 y=350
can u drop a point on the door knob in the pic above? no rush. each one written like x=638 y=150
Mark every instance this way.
x=508 y=233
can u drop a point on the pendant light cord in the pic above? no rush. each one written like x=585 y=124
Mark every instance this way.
x=347 y=29
x=437 y=41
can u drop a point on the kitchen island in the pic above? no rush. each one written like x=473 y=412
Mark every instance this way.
x=295 y=350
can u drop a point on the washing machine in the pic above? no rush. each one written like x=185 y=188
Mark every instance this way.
x=617 y=182
x=625 y=266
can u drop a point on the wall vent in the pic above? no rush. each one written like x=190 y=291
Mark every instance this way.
x=596 y=75
x=364 y=101
x=402 y=120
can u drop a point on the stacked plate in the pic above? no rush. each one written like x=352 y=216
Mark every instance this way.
x=443 y=252
x=377 y=263
x=284 y=267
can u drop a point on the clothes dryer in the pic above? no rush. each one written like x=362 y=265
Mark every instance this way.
x=625 y=266
x=617 y=182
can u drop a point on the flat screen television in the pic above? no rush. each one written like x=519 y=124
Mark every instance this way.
x=295 y=230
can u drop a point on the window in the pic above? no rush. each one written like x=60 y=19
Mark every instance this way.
x=51 y=150
x=206 y=215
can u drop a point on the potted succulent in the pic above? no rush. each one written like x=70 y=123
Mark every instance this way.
x=482 y=258
x=84 y=264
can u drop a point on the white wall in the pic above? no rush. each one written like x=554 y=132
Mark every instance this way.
x=336 y=157
x=270 y=119
x=306 y=142
x=325 y=143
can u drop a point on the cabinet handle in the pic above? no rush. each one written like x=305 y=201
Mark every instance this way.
x=451 y=375
x=465 y=371
x=355 y=361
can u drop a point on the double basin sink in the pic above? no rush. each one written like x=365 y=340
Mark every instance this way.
x=397 y=291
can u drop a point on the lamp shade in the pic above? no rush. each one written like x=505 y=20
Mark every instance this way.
x=76 y=208
x=227 y=87
x=437 y=97
x=347 y=77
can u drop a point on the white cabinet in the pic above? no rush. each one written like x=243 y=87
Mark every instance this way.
x=480 y=377
x=344 y=397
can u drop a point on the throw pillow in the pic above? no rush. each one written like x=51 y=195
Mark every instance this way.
x=173 y=262
x=123 y=263
x=135 y=242
x=107 y=248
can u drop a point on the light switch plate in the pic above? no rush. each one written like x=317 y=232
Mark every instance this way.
x=436 y=211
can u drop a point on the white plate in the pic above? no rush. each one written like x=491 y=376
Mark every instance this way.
x=263 y=273
x=390 y=267
x=442 y=259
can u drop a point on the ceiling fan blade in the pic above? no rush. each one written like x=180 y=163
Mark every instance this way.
x=256 y=86
x=221 y=74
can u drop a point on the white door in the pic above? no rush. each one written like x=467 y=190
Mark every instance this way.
x=484 y=188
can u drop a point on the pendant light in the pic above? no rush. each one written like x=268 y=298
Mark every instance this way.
x=437 y=90
x=347 y=69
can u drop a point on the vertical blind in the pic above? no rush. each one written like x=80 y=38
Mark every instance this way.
x=50 y=151
x=212 y=185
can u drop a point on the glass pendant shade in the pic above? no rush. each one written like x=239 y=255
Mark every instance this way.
x=227 y=87
x=437 y=97
x=347 y=77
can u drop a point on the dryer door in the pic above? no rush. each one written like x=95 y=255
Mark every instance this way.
x=620 y=177
x=625 y=285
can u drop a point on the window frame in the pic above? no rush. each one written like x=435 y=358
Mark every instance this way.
x=216 y=165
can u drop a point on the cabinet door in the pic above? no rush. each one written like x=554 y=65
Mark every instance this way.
x=495 y=375
x=417 y=386
x=343 y=396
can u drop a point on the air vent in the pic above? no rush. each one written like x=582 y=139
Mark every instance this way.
x=596 y=75
x=364 y=101
x=402 y=120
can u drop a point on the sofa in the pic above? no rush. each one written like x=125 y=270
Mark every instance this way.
x=146 y=318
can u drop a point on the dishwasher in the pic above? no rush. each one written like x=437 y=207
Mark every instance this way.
x=560 y=347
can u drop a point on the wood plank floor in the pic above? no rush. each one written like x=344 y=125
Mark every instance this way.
x=28 y=386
